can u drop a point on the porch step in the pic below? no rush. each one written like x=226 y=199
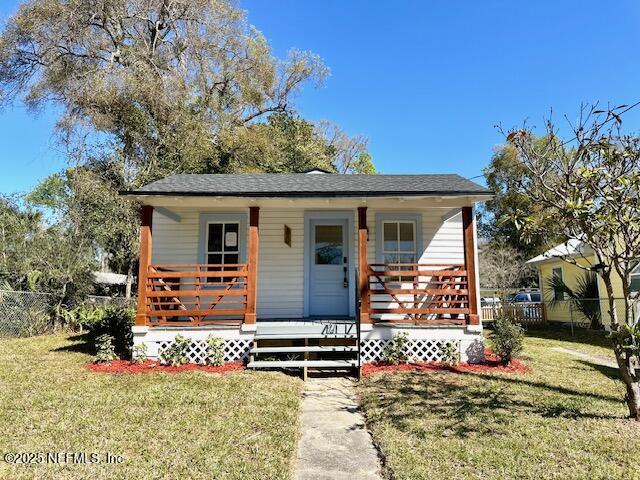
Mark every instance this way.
x=303 y=363
x=323 y=348
x=295 y=336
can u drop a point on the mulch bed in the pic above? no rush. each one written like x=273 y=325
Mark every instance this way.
x=491 y=364
x=149 y=366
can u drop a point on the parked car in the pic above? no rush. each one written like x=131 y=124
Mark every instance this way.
x=489 y=301
x=525 y=297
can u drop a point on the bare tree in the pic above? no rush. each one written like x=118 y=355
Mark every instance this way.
x=502 y=267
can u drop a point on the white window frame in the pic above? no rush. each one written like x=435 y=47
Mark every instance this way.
x=399 y=252
x=383 y=217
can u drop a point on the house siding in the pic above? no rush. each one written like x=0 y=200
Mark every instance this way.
x=561 y=312
x=281 y=268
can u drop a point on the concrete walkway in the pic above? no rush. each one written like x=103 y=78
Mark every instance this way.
x=334 y=443
x=597 y=359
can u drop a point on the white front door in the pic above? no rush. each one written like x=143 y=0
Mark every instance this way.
x=329 y=267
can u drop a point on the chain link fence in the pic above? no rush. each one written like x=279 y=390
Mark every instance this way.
x=23 y=314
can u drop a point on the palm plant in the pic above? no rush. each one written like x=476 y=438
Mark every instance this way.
x=584 y=297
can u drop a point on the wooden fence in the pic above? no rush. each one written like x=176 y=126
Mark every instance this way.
x=531 y=313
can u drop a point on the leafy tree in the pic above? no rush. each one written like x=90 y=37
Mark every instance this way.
x=40 y=256
x=587 y=187
x=149 y=88
x=503 y=174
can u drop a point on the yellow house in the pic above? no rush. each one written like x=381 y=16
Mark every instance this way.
x=570 y=262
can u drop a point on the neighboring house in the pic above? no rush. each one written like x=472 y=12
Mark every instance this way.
x=305 y=270
x=551 y=263
x=109 y=283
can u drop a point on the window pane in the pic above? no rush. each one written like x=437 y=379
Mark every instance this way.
x=214 y=259
x=328 y=245
x=635 y=283
x=231 y=239
x=214 y=242
x=407 y=239
x=390 y=236
x=231 y=258
x=407 y=258
x=390 y=258
x=558 y=294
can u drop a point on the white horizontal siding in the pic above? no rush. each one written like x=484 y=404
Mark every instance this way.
x=281 y=268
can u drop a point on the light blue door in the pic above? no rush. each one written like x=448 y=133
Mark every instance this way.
x=329 y=267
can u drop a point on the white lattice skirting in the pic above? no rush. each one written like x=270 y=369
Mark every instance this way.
x=424 y=344
x=234 y=350
x=415 y=350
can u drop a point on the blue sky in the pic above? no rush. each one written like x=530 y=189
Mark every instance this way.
x=425 y=81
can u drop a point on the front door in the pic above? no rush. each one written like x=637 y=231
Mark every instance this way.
x=329 y=279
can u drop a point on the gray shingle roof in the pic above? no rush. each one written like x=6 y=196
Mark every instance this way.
x=310 y=185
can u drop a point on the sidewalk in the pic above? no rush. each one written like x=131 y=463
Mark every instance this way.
x=334 y=443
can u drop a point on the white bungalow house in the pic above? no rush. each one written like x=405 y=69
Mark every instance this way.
x=309 y=270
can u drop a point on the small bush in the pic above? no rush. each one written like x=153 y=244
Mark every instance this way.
x=507 y=339
x=215 y=351
x=117 y=322
x=449 y=353
x=104 y=348
x=139 y=353
x=176 y=353
x=394 y=352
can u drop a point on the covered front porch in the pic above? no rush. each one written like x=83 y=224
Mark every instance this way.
x=226 y=294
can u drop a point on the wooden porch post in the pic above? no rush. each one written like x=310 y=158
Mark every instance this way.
x=363 y=266
x=144 y=262
x=252 y=260
x=470 y=263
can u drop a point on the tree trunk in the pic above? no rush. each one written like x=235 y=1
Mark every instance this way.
x=624 y=357
x=127 y=292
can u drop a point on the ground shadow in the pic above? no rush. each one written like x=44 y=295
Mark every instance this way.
x=563 y=333
x=82 y=343
x=610 y=372
x=470 y=408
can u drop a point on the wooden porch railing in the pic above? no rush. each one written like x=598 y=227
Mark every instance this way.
x=196 y=294
x=418 y=293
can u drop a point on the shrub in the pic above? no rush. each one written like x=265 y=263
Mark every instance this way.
x=176 y=353
x=117 y=322
x=394 y=352
x=139 y=353
x=81 y=317
x=507 y=339
x=215 y=351
x=105 y=352
x=449 y=354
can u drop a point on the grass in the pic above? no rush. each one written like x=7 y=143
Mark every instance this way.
x=563 y=420
x=187 y=425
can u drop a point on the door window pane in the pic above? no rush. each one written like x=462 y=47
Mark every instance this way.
x=328 y=247
x=231 y=236
x=214 y=243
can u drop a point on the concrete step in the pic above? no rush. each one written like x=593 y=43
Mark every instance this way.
x=303 y=363
x=323 y=348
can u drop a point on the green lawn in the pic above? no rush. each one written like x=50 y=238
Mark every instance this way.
x=187 y=425
x=565 y=419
